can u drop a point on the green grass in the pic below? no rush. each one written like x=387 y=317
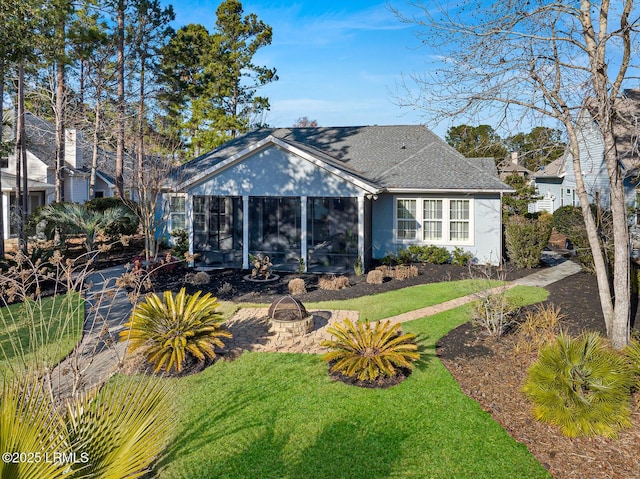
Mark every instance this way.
x=270 y=415
x=390 y=303
x=39 y=333
x=402 y=300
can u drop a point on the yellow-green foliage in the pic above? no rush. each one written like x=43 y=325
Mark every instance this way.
x=582 y=386
x=116 y=433
x=369 y=350
x=173 y=327
x=29 y=423
x=633 y=354
x=540 y=326
x=122 y=429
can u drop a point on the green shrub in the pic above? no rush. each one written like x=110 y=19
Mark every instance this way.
x=581 y=386
x=174 y=329
x=460 y=257
x=369 y=350
x=424 y=254
x=180 y=243
x=119 y=431
x=526 y=239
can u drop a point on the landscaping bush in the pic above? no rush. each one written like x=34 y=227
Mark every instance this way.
x=581 y=386
x=333 y=283
x=129 y=223
x=297 y=286
x=540 y=326
x=460 y=257
x=633 y=355
x=369 y=351
x=180 y=243
x=175 y=329
x=424 y=254
x=526 y=239
x=493 y=312
x=197 y=279
x=375 y=276
x=403 y=272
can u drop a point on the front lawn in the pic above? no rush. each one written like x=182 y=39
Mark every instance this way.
x=391 y=303
x=41 y=332
x=270 y=415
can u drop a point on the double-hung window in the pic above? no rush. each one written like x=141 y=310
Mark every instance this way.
x=177 y=212
x=434 y=220
x=459 y=221
x=407 y=225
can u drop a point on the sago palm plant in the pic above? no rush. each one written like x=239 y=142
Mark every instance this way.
x=581 y=386
x=172 y=328
x=369 y=350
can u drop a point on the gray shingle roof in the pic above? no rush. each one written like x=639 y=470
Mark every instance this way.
x=406 y=156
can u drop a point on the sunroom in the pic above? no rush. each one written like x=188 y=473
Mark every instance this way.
x=280 y=202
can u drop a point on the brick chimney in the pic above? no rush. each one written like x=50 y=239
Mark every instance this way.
x=514 y=157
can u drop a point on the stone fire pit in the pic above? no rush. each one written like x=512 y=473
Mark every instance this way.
x=289 y=317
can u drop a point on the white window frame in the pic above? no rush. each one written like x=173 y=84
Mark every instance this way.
x=396 y=219
x=445 y=240
x=170 y=213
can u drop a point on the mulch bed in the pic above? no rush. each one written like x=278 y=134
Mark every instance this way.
x=231 y=284
x=487 y=370
x=490 y=372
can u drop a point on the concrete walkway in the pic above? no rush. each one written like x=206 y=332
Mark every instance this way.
x=99 y=354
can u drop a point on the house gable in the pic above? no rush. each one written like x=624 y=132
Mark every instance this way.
x=275 y=168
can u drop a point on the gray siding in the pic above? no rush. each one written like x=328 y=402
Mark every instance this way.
x=274 y=172
x=486 y=227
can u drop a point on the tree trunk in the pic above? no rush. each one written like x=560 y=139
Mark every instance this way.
x=618 y=325
x=22 y=192
x=94 y=153
x=121 y=105
x=59 y=182
x=1 y=130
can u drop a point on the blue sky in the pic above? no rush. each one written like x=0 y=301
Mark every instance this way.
x=339 y=62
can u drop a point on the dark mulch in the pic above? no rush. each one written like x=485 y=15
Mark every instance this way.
x=382 y=382
x=490 y=372
x=232 y=284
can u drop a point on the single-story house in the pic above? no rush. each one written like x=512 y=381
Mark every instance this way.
x=556 y=182
x=41 y=167
x=319 y=198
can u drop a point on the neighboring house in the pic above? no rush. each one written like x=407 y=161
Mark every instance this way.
x=556 y=182
x=321 y=197
x=511 y=166
x=41 y=162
